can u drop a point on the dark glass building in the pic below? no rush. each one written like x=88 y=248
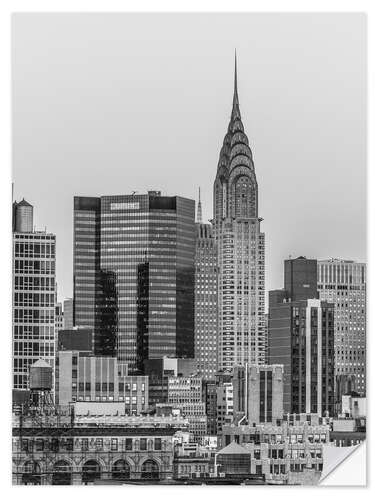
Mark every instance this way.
x=134 y=275
x=300 y=278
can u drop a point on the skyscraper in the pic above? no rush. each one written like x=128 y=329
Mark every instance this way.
x=301 y=337
x=205 y=301
x=343 y=282
x=240 y=248
x=34 y=260
x=134 y=275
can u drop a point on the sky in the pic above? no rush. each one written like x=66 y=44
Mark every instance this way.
x=108 y=104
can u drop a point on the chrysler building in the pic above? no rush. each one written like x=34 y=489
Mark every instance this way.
x=240 y=247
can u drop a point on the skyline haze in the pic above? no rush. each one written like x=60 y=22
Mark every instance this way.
x=117 y=107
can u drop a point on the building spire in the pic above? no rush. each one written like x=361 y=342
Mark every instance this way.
x=199 y=211
x=236 y=105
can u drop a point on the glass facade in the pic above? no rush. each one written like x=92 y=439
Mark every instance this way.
x=142 y=247
x=86 y=262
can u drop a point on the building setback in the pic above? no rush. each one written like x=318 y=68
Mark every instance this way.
x=205 y=302
x=343 y=283
x=34 y=280
x=134 y=275
x=301 y=337
x=240 y=247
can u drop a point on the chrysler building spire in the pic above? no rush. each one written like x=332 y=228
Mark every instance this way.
x=236 y=104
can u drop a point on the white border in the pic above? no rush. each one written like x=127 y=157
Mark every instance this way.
x=6 y=8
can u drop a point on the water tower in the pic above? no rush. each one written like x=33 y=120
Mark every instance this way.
x=41 y=384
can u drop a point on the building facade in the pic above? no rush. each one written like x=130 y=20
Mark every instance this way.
x=68 y=314
x=277 y=451
x=224 y=405
x=186 y=395
x=59 y=317
x=81 y=377
x=139 y=449
x=34 y=281
x=301 y=337
x=205 y=324
x=258 y=393
x=240 y=249
x=343 y=283
x=134 y=275
x=76 y=339
x=159 y=371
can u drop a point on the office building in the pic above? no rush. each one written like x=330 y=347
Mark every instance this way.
x=240 y=248
x=87 y=378
x=134 y=275
x=158 y=372
x=343 y=283
x=258 y=392
x=186 y=394
x=300 y=279
x=34 y=280
x=210 y=398
x=205 y=301
x=301 y=337
x=68 y=314
x=224 y=405
x=185 y=390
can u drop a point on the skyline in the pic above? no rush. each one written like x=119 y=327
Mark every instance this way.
x=341 y=208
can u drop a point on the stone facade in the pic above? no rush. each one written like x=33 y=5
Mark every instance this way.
x=85 y=455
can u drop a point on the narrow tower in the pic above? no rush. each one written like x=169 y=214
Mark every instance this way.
x=240 y=245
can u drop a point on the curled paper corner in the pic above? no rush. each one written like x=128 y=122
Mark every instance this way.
x=344 y=466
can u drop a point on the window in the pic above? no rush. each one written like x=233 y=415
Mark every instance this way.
x=84 y=444
x=157 y=443
x=39 y=445
x=114 y=444
x=143 y=444
x=128 y=444
x=99 y=443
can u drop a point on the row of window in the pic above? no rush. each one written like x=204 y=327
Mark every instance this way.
x=85 y=444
